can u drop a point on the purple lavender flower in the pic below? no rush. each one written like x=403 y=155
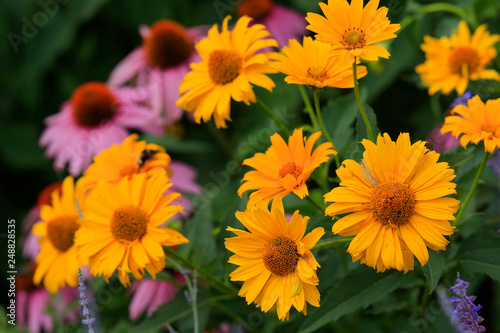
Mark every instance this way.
x=462 y=99
x=83 y=302
x=464 y=309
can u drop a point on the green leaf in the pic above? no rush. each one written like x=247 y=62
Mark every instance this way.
x=480 y=253
x=361 y=132
x=359 y=289
x=456 y=158
x=201 y=248
x=433 y=270
x=339 y=115
x=185 y=146
x=171 y=311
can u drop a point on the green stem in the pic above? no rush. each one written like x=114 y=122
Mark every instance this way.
x=443 y=7
x=473 y=187
x=270 y=113
x=332 y=242
x=214 y=281
x=309 y=107
x=315 y=204
x=360 y=105
x=192 y=289
x=322 y=124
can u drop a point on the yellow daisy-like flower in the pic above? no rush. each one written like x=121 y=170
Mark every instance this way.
x=57 y=261
x=283 y=168
x=125 y=160
x=275 y=260
x=397 y=204
x=122 y=227
x=352 y=29
x=451 y=63
x=475 y=122
x=309 y=64
x=230 y=64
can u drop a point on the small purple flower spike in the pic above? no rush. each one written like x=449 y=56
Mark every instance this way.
x=83 y=302
x=464 y=309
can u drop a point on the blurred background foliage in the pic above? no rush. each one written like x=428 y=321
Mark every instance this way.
x=50 y=47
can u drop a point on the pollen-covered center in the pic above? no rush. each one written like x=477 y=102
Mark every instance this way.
x=353 y=38
x=290 y=168
x=280 y=256
x=168 y=44
x=464 y=60
x=61 y=231
x=129 y=223
x=93 y=103
x=317 y=73
x=392 y=203
x=257 y=9
x=224 y=66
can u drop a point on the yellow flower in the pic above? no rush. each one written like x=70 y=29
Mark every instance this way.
x=57 y=261
x=122 y=226
x=451 y=63
x=352 y=29
x=275 y=260
x=309 y=64
x=476 y=122
x=125 y=160
x=397 y=204
x=284 y=169
x=229 y=65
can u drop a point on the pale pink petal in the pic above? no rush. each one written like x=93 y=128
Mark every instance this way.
x=128 y=68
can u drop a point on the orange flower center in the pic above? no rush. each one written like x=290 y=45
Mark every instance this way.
x=353 y=39
x=61 y=231
x=464 y=58
x=168 y=44
x=280 y=256
x=45 y=196
x=290 y=168
x=129 y=223
x=317 y=73
x=224 y=66
x=258 y=9
x=93 y=103
x=129 y=170
x=392 y=203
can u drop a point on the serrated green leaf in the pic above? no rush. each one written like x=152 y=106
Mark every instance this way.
x=359 y=289
x=480 y=253
x=339 y=116
x=433 y=270
x=456 y=158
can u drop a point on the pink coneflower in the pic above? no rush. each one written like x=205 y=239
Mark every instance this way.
x=183 y=179
x=94 y=118
x=160 y=64
x=149 y=295
x=31 y=303
x=282 y=22
x=441 y=143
